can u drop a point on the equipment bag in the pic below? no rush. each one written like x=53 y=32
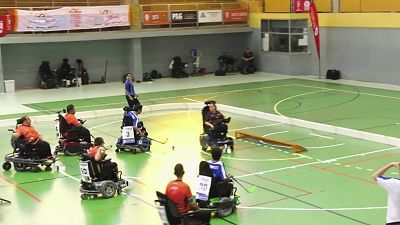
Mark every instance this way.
x=333 y=74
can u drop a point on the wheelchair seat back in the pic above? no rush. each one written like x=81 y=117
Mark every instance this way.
x=63 y=126
x=89 y=169
x=167 y=210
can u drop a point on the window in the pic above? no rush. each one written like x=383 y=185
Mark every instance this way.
x=285 y=35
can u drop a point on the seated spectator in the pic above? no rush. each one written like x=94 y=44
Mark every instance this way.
x=248 y=65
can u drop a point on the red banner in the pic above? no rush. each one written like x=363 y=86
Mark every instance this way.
x=233 y=15
x=3 y=26
x=155 y=18
x=301 y=6
x=315 y=26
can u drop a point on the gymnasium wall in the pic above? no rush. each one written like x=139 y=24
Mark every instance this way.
x=363 y=47
x=21 y=61
x=157 y=52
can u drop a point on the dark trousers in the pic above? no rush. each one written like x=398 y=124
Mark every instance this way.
x=43 y=149
x=133 y=102
x=80 y=133
x=394 y=223
x=248 y=66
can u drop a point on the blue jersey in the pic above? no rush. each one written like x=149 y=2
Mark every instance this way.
x=135 y=119
x=129 y=87
x=218 y=170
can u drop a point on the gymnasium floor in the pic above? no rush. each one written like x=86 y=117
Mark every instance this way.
x=329 y=184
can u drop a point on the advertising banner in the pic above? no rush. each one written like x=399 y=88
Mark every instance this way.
x=70 y=18
x=155 y=18
x=184 y=17
x=210 y=16
x=3 y=26
x=302 y=6
x=41 y=20
x=95 y=17
x=315 y=27
x=233 y=15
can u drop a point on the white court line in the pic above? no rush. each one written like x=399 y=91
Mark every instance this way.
x=321 y=136
x=352 y=92
x=308 y=209
x=120 y=121
x=164 y=98
x=279 y=132
x=68 y=175
x=327 y=146
x=192 y=100
x=294 y=96
x=247 y=128
x=312 y=163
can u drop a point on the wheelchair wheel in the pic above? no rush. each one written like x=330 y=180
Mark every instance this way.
x=144 y=148
x=35 y=168
x=20 y=167
x=225 y=207
x=68 y=153
x=6 y=166
x=116 y=150
x=108 y=189
x=84 y=196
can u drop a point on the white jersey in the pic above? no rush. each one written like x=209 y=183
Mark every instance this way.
x=392 y=186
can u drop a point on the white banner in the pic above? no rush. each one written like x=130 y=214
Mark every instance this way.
x=94 y=17
x=41 y=20
x=72 y=18
x=210 y=16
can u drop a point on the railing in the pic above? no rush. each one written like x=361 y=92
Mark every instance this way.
x=193 y=15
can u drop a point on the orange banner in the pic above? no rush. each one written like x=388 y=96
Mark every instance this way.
x=233 y=15
x=155 y=18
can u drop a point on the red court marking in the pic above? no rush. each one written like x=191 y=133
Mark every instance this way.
x=364 y=160
x=273 y=181
x=21 y=189
x=278 y=200
x=316 y=167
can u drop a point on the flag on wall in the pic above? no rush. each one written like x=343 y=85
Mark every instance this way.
x=315 y=26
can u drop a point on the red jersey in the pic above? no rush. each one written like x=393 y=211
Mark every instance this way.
x=29 y=133
x=93 y=151
x=71 y=120
x=179 y=193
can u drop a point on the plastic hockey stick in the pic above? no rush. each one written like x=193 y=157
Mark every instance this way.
x=161 y=142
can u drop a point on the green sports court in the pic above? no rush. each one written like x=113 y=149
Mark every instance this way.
x=329 y=184
x=311 y=86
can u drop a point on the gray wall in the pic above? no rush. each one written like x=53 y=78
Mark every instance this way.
x=363 y=54
x=280 y=62
x=158 y=51
x=21 y=61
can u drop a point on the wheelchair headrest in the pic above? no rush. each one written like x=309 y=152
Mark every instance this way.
x=127 y=109
x=19 y=121
x=204 y=169
x=210 y=102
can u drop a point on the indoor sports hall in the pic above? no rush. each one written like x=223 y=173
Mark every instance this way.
x=307 y=92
